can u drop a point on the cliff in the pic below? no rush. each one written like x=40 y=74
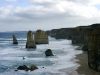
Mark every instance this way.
x=88 y=37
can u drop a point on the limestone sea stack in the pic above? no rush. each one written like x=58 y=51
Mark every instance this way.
x=15 y=39
x=41 y=37
x=30 y=42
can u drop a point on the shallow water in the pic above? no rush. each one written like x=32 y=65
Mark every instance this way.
x=11 y=56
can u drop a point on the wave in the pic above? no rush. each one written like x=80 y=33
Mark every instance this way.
x=64 y=58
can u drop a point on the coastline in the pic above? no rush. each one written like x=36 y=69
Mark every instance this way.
x=83 y=69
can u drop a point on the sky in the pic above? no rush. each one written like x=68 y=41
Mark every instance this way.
x=23 y=15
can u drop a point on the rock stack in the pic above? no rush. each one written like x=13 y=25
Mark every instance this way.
x=41 y=37
x=15 y=40
x=30 y=42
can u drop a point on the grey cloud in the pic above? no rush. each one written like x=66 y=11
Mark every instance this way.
x=81 y=1
x=44 y=16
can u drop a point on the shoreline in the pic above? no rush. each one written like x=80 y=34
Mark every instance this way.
x=83 y=69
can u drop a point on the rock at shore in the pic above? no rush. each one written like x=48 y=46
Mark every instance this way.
x=33 y=67
x=30 y=42
x=25 y=68
x=15 y=39
x=48 y=52
x=41 y=37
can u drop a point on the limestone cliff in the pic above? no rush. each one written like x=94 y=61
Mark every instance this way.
x=88 y=37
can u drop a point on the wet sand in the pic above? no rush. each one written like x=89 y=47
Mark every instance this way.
x=83 y=68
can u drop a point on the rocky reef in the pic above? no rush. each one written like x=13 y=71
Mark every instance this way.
x=30 y=42
x=48 y=52
x=41 y=37
x=87 y=37
x=15 y=39
x=26 y=68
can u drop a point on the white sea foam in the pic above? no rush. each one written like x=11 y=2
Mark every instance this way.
x=64 y=58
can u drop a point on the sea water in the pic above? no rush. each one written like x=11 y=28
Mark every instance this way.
x=11 y=56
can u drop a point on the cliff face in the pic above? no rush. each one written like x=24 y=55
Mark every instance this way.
x=41 y=37
x=88 y=37
x=78 y=35
x=94 y=49
x=61 y=33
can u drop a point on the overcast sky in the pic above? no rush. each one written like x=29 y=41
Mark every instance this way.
x=22 y=15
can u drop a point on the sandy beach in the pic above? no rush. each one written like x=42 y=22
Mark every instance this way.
x=83 y=68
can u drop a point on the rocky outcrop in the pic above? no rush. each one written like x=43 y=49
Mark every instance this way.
x=30 y=42
x=88 y=37
x=48 y=52
x=33 y=67
x=23 y=67
x=15 y=39
x=41 y=37
x=26 y=68
x=63 y=33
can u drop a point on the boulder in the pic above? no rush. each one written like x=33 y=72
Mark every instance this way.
x=48 y=52
x=33 y=67
x=24 y=67
x=15 y=40
x=41 y=37
x=30 y=42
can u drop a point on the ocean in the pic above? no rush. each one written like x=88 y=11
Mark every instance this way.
x=11 y=56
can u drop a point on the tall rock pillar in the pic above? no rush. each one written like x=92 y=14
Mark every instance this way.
x=41 y=37
x=30 y=42
x=15 y=39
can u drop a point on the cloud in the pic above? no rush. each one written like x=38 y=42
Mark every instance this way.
x=58 y=13
x=80 y=9
x=10 y=0
x=83 y=8
x=53 y=7
x=5 y=11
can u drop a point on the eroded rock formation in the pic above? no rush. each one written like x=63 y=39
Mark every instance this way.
x=48 y=52
x=88 y=37
x=41 y=37
x=33 y=67
x=26 y=68
x=15 y=39
x=30 y=42
x=23 y=67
